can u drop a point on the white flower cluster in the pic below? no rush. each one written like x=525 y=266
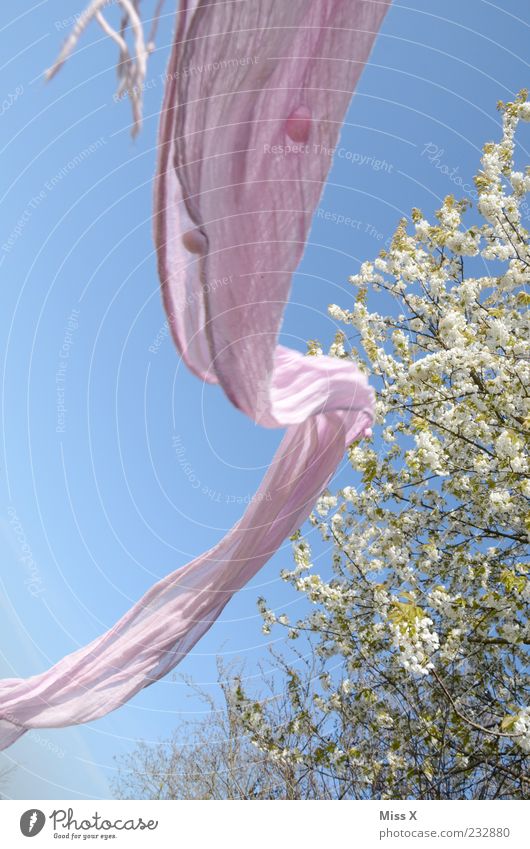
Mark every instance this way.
x=416 y=643
x=522 y=726
x=325 y=503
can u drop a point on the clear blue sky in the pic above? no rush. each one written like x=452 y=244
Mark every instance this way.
x=92 y=515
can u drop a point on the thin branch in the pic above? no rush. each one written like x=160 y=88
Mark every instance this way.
x=131 y=69
x=466 y=719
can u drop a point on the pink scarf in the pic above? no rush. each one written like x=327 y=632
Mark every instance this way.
x=256 y=93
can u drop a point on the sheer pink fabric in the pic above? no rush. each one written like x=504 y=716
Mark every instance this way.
x=255 y=97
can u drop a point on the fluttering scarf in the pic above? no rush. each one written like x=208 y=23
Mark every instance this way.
x=256 y=93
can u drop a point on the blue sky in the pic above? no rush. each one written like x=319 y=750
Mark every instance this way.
x=93 y=513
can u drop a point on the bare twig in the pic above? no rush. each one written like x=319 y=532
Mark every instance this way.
x=131 y=68
x=465 y=718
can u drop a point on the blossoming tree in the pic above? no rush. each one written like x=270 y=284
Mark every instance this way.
x=423 y=631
